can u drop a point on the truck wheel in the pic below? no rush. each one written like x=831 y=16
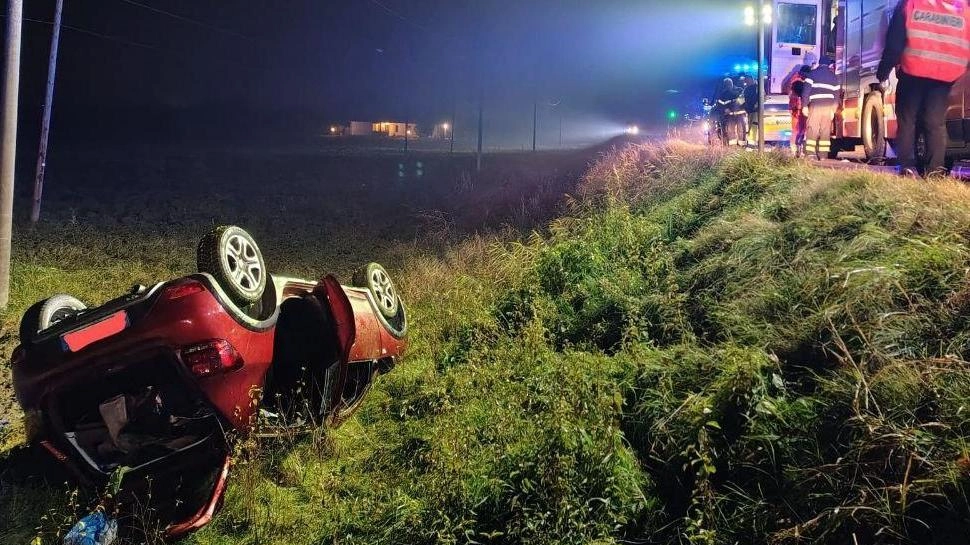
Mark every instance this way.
x=874 y=127
x=231 y=256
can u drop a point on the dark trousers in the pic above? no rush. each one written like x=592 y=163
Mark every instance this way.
x=733 y=126
x=921 y=104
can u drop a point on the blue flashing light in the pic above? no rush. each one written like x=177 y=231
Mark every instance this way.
x=746 y=67
x=737 y=67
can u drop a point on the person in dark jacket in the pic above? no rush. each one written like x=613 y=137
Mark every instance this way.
x=928 y=43
x=731 y=108
x=819 y=95
x=750 y=95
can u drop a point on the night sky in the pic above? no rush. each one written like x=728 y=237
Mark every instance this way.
x=337 y=60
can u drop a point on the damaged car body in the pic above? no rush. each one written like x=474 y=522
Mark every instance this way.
x=156 y=381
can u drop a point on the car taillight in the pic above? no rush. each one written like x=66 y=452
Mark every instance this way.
x=212 y=357
x=178 y=291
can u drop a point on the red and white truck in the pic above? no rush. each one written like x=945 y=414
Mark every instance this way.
x=853 y=32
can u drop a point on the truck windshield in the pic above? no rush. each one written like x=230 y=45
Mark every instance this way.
x=797 y=24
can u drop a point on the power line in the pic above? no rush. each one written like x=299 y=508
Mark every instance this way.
x=394 y=13
x=117 y=39
x=188 y=19
x=95 y=34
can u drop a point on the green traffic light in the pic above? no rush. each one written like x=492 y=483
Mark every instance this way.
x=671 y=114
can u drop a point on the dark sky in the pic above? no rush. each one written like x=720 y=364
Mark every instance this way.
x=365 y=59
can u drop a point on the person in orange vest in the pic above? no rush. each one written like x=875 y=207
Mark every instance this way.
x=928 y=43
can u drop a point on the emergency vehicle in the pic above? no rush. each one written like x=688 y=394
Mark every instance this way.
x=853 y=32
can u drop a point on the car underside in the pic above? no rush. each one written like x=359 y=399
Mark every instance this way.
x=150 y=388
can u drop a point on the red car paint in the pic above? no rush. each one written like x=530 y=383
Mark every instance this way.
x=170 y=320
x=205 y=513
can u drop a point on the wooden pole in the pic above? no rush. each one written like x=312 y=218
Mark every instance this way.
x=481 y=117
x=46 y=122
x=560 y=129
x=8 y=151
x=535 y=122
x=407 y=134
x=454 y=114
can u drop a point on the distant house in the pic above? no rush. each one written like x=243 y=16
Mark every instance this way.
x=394 y=129
x=390 y=129
x=360 y=128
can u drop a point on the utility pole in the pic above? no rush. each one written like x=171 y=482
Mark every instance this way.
x=481 y=116
x=8 y=153
x=761 y=75
x=46 y=122
x=535 y=123
x=454 y=114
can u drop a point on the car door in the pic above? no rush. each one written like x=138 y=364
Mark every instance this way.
x=330 y=292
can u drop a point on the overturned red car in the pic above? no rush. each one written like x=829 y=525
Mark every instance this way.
x=152 y=382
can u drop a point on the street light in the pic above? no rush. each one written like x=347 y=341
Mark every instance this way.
x=552 y=103
x=751 y=20
x=450 y=135
x=555 y=103
x=761 y=17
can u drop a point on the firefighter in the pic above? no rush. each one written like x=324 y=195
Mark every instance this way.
x=928 y=42
x=750 y=95
x=730 y=107
x=798 y=119
x=821 y=87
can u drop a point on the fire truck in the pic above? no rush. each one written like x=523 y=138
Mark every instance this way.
x=853 y=32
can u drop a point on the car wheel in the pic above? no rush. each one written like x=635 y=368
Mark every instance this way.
x=375 y=278
x=44 y=314
x=231 y=255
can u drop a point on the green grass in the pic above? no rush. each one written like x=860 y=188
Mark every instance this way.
x=704 y=349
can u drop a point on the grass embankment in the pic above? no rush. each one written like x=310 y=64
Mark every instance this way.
x=119 y=215
x=705 y=350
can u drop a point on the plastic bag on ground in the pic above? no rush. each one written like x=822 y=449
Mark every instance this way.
x=94 y=529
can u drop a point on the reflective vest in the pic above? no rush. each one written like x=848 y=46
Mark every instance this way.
x=937 y=39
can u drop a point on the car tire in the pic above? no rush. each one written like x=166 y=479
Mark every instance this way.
x=232 y=257
x=375 y=279
x=44 y=314
x=874 y=127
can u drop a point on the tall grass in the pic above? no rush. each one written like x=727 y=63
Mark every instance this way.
x=707 y=349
